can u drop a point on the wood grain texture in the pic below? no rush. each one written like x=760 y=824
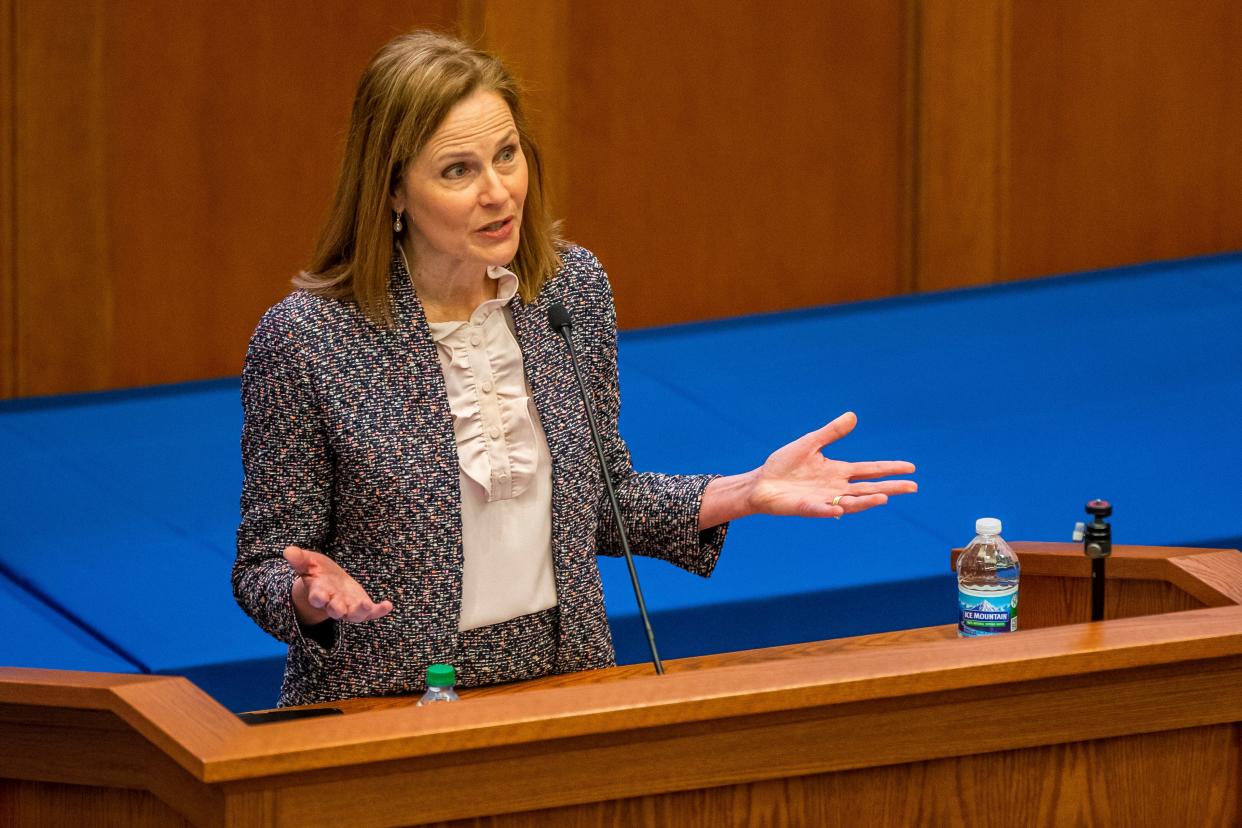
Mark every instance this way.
x=108 y=758
x=1142 y=580
x=1211 y=577
x=164 y=169
x=1122 y=121
x=42 y=803
x=678 y=665
x=724 y=751
x=66 y=688
x=765 y=147
x=1221 y=573
x=1051 y=602
x=797 y=744
x=151 y=741
x=1059 y=137
x=63 y=272
x=174 y=165
x=730 y=162
x=1067 y=784
x=683 y=699
x=1059 y=702
x=253 y=809
x=8 y=198
x=961 y=218
x=1046 y=552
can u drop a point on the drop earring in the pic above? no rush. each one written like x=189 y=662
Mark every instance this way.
x=396 y=225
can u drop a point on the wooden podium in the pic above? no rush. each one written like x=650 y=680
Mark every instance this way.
x=1130 y=721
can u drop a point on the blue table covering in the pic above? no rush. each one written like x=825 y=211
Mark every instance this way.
x=1020 y=402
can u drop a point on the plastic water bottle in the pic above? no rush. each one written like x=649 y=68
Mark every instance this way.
x=440 y=681
x=987 y=583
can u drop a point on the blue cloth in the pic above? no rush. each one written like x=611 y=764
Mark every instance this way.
x=1020 y=402
x=40 y=635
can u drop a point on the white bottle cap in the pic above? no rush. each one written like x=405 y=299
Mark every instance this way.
x=987 y=526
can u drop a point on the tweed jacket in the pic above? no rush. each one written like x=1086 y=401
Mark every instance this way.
x=348 y=448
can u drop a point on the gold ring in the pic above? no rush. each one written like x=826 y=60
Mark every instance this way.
x=836 y=501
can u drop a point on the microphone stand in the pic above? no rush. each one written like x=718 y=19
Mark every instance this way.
x=558 y=318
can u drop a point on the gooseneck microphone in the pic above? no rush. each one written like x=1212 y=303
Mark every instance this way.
x=559 y=319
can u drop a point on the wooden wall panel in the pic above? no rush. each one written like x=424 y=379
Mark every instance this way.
x=52 y=803
x=962 y=146
x=729 y=160
x=63 y=275
x=174 y=164
x=1125 y=123
x=1049 y=601
x=164 y=168
x=1062 y=784
x=1056 y=137
x=8 y=214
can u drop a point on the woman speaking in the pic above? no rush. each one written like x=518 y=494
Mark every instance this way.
x=420 y=482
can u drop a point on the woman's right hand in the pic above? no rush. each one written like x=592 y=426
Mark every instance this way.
x=325 y=591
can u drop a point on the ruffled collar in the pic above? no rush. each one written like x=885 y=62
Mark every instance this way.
x=495 y=431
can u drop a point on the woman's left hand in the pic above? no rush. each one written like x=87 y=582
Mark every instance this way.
x=798 y=479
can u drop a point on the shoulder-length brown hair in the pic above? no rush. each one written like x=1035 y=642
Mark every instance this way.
x=402 y=98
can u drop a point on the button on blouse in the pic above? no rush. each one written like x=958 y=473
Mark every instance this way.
x=505 y=465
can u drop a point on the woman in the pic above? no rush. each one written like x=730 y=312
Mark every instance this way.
x=420 y=484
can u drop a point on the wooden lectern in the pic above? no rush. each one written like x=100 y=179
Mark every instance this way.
x=1130 y=721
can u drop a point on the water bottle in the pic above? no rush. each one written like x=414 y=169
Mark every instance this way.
x=440 y=681
x=987 y=583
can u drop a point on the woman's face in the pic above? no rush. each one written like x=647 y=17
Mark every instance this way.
x=463 y=194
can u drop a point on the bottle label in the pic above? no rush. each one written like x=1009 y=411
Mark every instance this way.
x=983 y=612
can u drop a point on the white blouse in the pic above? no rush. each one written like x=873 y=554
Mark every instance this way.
x=506 y=470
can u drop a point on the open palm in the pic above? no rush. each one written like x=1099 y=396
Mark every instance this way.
x=798 y=479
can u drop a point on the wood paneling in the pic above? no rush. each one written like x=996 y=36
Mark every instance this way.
x=719 y=163
x=1058 y=137
x=1219 y=575
x=8 y=208
x=728 y=160
x=164 y=168
x=47 y=803
x=1210 y=577
x=63 y=281
x=962 y=144
x=174 y=164
x=1068 y=784
x=787 y=652
x=728 y=756
x=1124 y=123
x=1127 y=721
x=1056 y=601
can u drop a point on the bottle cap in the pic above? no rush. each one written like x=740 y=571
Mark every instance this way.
x=987 y=526
x=441 y=675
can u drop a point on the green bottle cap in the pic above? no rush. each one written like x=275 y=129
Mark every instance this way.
x=441 y=675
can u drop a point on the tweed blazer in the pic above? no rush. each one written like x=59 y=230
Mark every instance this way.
x=348 y=448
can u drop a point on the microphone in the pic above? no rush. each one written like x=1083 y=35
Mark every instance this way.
x=560 y=321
